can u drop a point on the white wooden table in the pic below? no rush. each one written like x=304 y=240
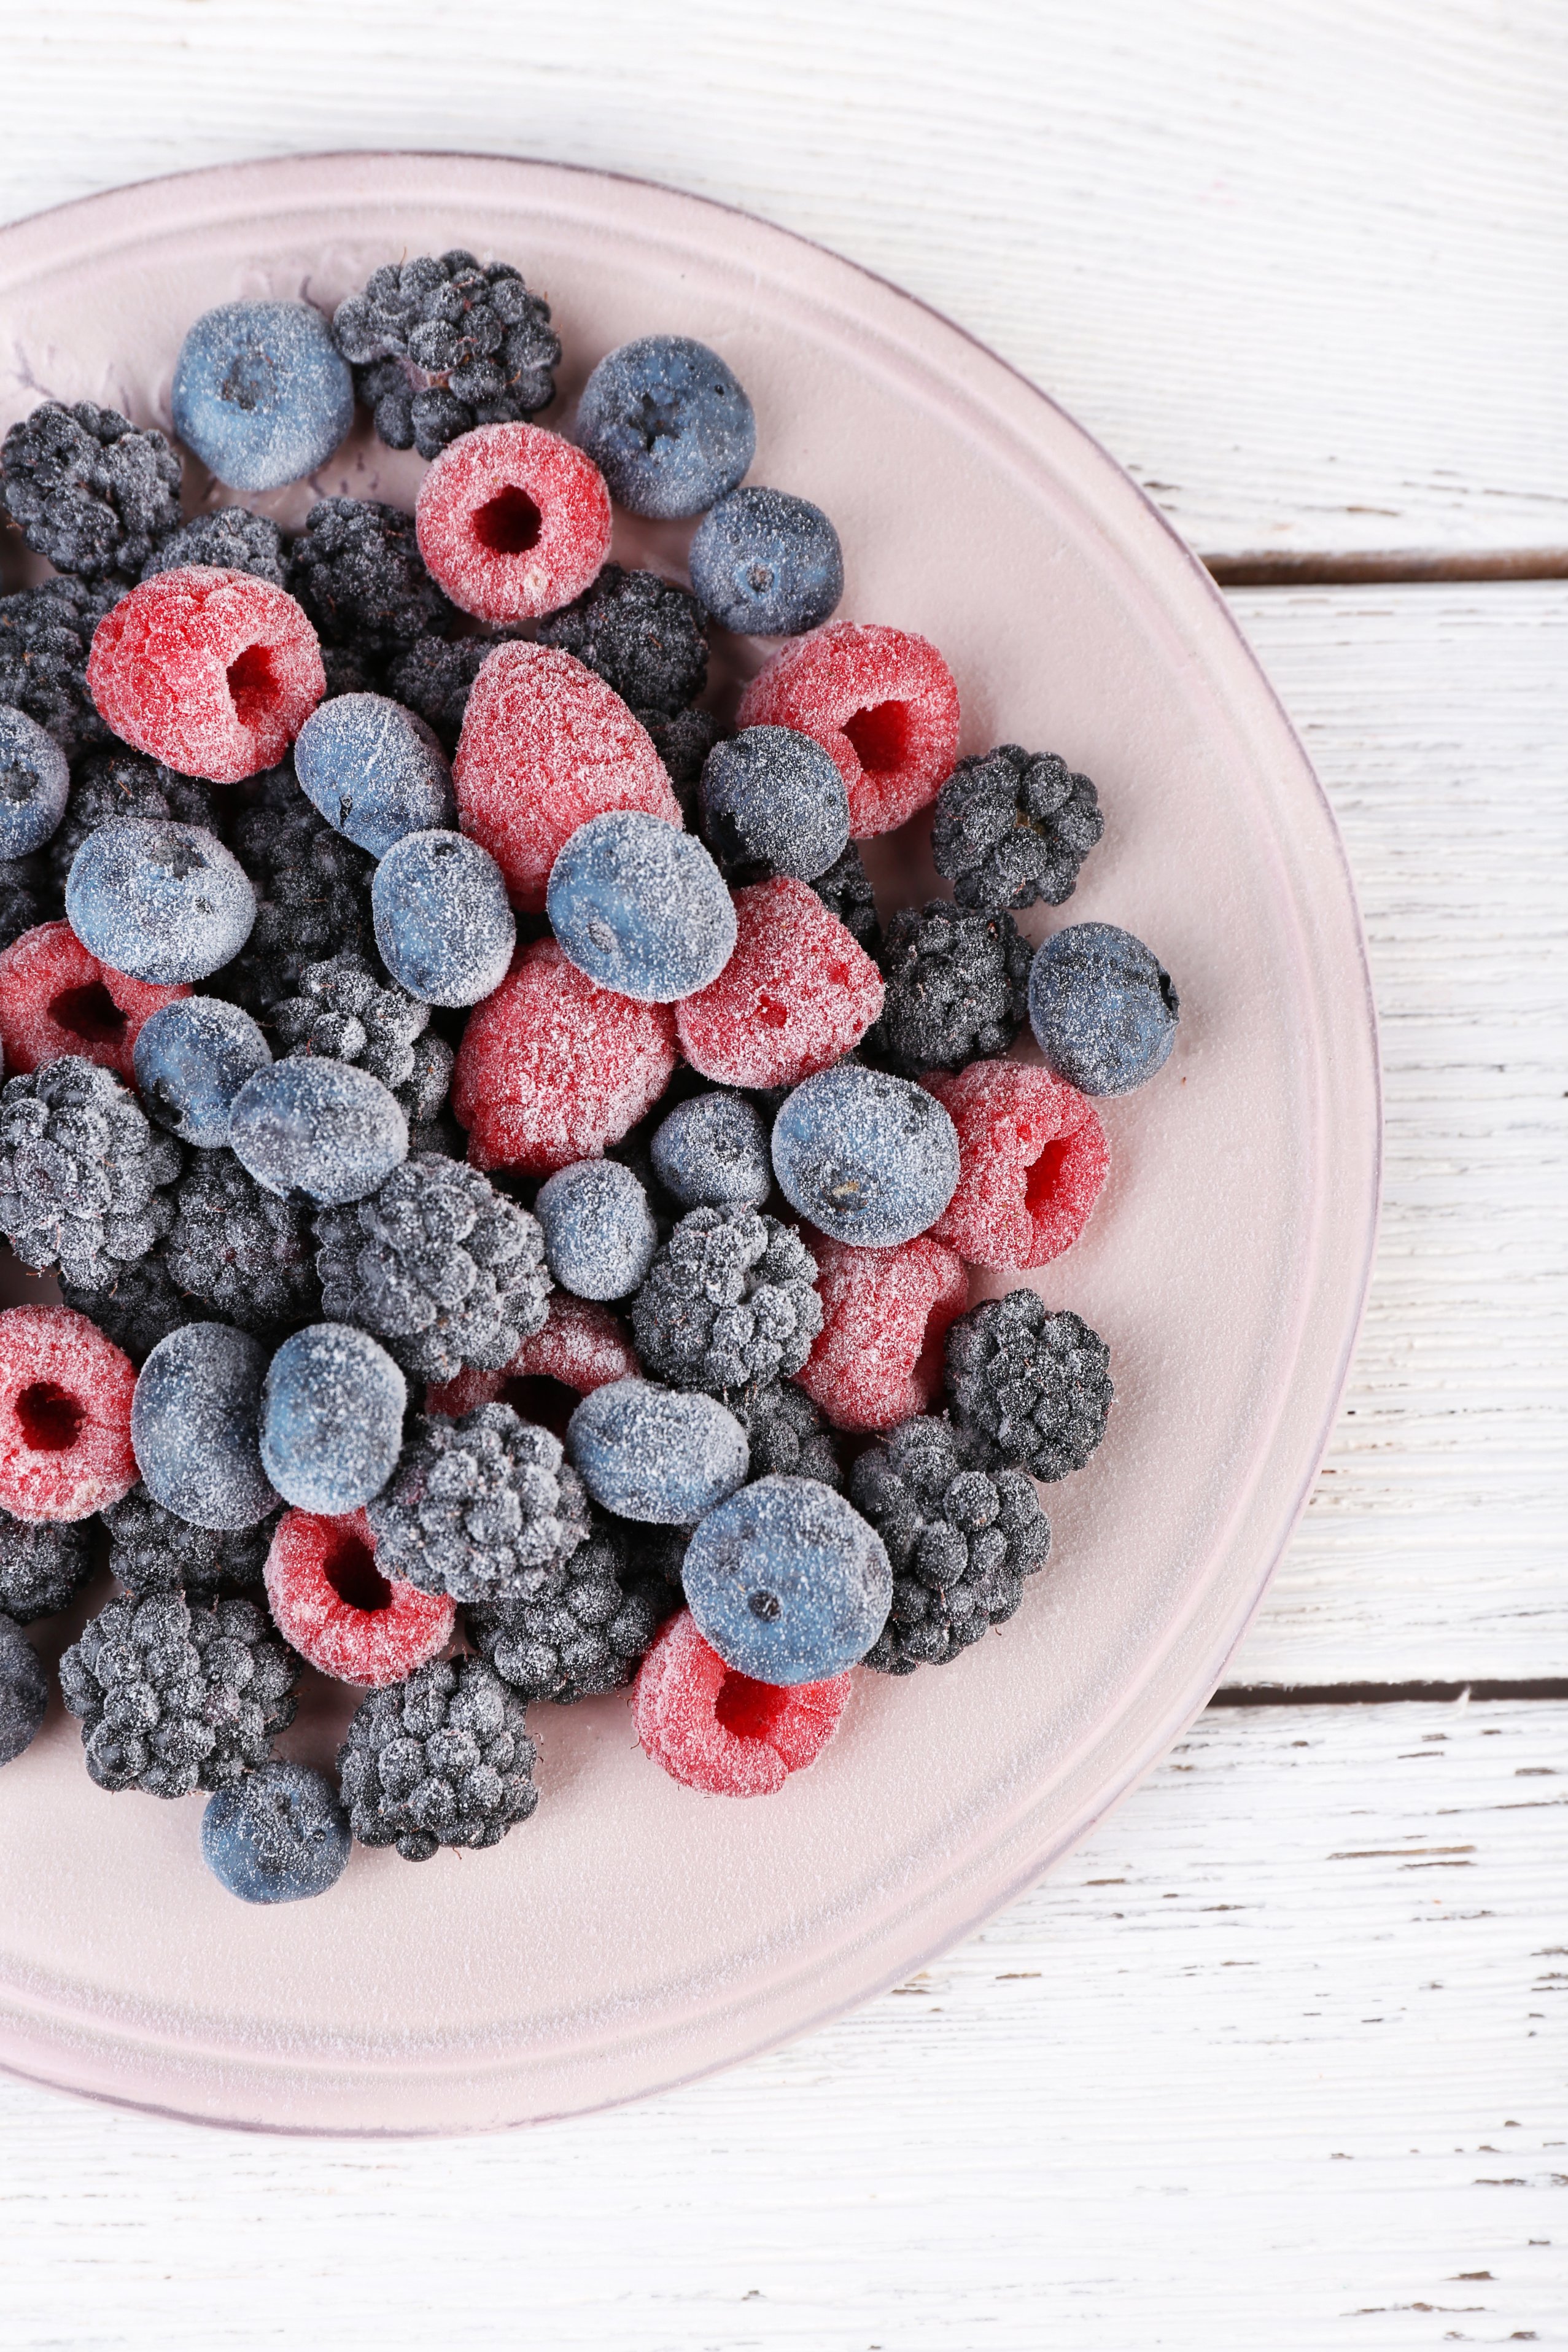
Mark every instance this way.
x=1275 y=2058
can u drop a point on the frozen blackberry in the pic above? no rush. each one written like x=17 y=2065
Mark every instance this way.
x=442 y=1268
x=1013 y=826
x=141 y=1305
x=45 y=635
x=43 y=1565
x=150 y=1551
x=174 y=1698
x=28 y=897
x=435 y=677
x=438 y=345
x=88 y=490
x=1030 y=1389
x=485 y=1508
x=352 y=669
x=683 y=744
x=846 y=891
x=345 y=1012
x=957 y=987
x=961 y=1542
x=729 y=1303
x=357 y=570
x=313 y=891
x=247 y=1255
x=642 y=635
x=787 y=1438
x=580 y=1634
x=441 y=1760
x=83 y=1175
x=232 y=540
x=118 y=782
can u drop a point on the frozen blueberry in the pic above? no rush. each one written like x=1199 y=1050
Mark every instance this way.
x=164 y=902
x=667 y=424
x=277 y=1835
x=662 y=1456
x=766 y=564
x=331 y=1418
x=641 y=907
x=772 y=800
x=24 y=1691
x=443 y=924
x=787 y=1581
x=374 y=770
x=196 y=1426
x=868 y=1158
x=599 y=1233
x=712 y=1153
x=262 y=393
x=1102 y=1008
x=314 y=1126
x=191 y=1059
x=35 y=781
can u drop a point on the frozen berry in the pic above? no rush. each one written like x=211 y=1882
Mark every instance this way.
x=83 y=1178
x=261 y=393
x=484 y=1508
x=512 y=521
x=787 y=1581
x=44 y=634
x=599 y=1233
x=443 y=925
x=846 y=891
x=579 y=1347
x=325 y=1128
x=784 y=1431
x=668 y=425
x=643 y=635
x=772 y=802
x=331 y=1602
x=58 y=999
x=724 y=1732
x=64 y=1415
x=153 y=1550
x=865 y=1158
x=26 y=899
x=174 y=1698
x=711 y=1152
x=435 y=677
x=231 y=540
x=312 y=890
x=331 y=1418
x=195 y=1424
x=880 y=701
x=163 y=902
x=35 y=784
x=439 y=1761
x=1103 y=1008
x=191 y=1059
x=44 y=1563
x=1032 y=1159
x=640 y=908
x=279 y=1835
x=730 y=1300
x=796 y=994
x=885 y=1315
x=120 y=782
x=1031 y=1389
x=957 y=986
x=658 y=1454
x=1013 y=826
x=87 y=489
x=374 y=770
x=238 y=1253
x=441 y=343
x=766 y=564
x=358 y=573
x=24 y=1692
x=215 y=672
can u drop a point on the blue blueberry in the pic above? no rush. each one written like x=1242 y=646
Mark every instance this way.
x=641 y=907
x=191 y=1059
x=24 y=1691
x=663 y=1456
x=599 y=1233
x=712 y=1153
x=35 y=780
x=442 y=923
x=787 y=1581
x=667 y=426
x=196 y=1426
x=766 y=564
x=262 y=395
x=374 y=770
x=1102 y=1008
x=164 y=902
x=771 y=797
x=331 y=1418
x=322 y=1128
x=865 y=1158
x=277 y=1835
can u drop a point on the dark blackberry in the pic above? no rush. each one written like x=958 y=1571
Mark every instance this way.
x=485 y=1508
x=313 y=891
x=246 y=1255
x=43 y=1565
x=846 y=891
x=141 y=1305
x=83 y=1175
x=443 y=1758
x=442 y=1268
x=174 y=1698
x=580 y=1634
x=439 y=345
x=232 y=540
x=45 y=635
x=961 y=1542
x=150 y=1551
x=351 y=669
x=357 y=570
x=788 y=1440
x=643 y=635
x=344 y=1013
x=116 y=782
x=957 y=987
x=28 y=897
x=436 y=677
x=89 y=492
x=1011 y=826
x=683 y=743
x=1030 y=1389
x=730 y=1302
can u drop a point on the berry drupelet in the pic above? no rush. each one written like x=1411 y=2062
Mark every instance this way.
x=141 y=1305
x=87 y=490
x=46 y=633
x=357 y=570
x=642 y=635
x=442 y=1759
x=1030 y=1389
x=83 y=1175
x=485 y=1508
x=312 y=890
x=44 y=1563
x=957 y=987
x=582 y=1633
x=439 y=344
x=435 y=677
x=846 y=891
x=730 y=1301
x=152 y=1550
x=238 y=1251
x=1012 y=827
x=232 y=540
x=786 y=1434
x=174 y=1698
x=344 y=1013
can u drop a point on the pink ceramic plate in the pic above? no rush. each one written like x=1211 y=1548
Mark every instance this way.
x=633 y=1934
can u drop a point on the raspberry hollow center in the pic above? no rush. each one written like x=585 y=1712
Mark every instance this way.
x=748 y=1708
x=50 y=1418
x=881 y=736
x=89 y=1012
x=508 y=524
x=1044 y=1178
x=349 y=1569
x=253 y=688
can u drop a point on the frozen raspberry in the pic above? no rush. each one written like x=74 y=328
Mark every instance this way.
x=513 y=522
x=331 y=1603
x=215 y=672
x=721 y=1732
x=880 y=701
x=581 y=1347
x=64 y=1415
x=793 y=998
x=551 y=1068
x=885 y=1315
x=1032 y=1158
x=545 y=746
x=56 y=999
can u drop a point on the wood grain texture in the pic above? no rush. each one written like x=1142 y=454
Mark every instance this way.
x=1304 y=269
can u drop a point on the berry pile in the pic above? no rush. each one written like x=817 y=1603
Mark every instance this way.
x=513 y=1200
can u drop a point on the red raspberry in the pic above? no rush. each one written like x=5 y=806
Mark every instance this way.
x=57 y=999
x=885 y=1312
x=553 y=1068
x=512 y=521
x=1032 y=1156
x=64 y=1415
x=881 y=701
x=331 y=1602
x=545 y=746
x=581 y=1347
x=796 y=994
x=721 y=1732
x=215 y=672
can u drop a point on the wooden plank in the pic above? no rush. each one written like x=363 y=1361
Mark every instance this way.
x=1302 y=269
x=1276 y=2059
